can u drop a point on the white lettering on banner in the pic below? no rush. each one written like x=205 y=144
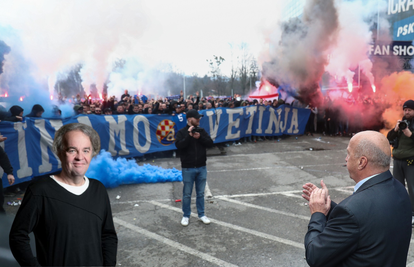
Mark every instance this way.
x=117 y=128
x=56 y=124
x=214 y=126
x=24 y=170
x=259 y=128
x=180 y=117
x=379 y=50
x=401 y=50
x=401 y=6
x=142 y=132
x=232 y=123
x=283 y=125
x=397 y=50
x=251 y=110
x=410 y=50
x=293 y=122
x=398 y=6
x=46 y=142
x=273 y=120
x=85 y=120
x=146 y=147
x=406 y=29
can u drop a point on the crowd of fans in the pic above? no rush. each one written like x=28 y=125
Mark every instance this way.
x=338 y=117
x=141 y=105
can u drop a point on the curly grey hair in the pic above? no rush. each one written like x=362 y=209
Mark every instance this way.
x=58 y=142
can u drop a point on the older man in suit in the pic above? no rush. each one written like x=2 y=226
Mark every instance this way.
x=372 y=227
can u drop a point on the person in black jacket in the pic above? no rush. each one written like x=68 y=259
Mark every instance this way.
x=69 y=213
x=8 y=169
x=36 y=112
x=15 y=114
x=372 y=227
x=191 y=142
x=401 y=137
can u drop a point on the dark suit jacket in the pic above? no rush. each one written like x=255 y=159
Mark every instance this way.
x=372 y=227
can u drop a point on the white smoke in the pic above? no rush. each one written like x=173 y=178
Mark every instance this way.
x=56 y=35
x=354 y=38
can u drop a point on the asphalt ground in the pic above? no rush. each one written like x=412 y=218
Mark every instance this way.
x=258 y=217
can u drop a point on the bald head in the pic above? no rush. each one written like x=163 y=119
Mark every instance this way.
x=369 y=153
x=373 y=145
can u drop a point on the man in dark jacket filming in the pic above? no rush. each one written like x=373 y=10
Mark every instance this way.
x=191 y=142
x=402 y=140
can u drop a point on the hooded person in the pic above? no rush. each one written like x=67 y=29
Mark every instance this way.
x=78 y=109
x=131 y=110
x=15 y=114
x=36 y=112
x=3 y=113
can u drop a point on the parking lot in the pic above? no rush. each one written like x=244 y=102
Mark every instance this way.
x=258 y=217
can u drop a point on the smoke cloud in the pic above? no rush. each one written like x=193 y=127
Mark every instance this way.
x=113 y=173
x=331 y=36
x=397 y=87
x=300 y=56
x=59 y=35
x=4 y=49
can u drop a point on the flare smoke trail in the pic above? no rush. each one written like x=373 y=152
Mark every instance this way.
x=4 y=49
x=331 y=36
x=300 y=56
x=113 y=173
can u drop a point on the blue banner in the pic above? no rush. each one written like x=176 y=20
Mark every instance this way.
x=29 y=143
x=404 y=29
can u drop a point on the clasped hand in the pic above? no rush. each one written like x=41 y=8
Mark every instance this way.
x=195 y=135
x=319 y=199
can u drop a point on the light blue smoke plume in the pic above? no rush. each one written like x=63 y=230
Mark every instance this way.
x=113 y=173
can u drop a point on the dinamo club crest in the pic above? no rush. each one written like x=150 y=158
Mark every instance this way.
x=166 y=130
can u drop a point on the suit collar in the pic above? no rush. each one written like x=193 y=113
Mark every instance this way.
x=375 y=180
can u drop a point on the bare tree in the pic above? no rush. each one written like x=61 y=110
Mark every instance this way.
x=243 y=69
x=216 y=76
x=233 y=72
x=253 y=72
x=70 y=83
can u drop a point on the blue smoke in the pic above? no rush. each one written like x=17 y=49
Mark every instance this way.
x=113 y=173
x=19 y=78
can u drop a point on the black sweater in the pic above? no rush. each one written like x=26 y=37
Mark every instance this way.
x=192 y=151
x=70 y=230
x=404 y=149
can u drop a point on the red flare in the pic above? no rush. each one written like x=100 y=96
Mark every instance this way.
x=266 y=90
x=6 y=95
